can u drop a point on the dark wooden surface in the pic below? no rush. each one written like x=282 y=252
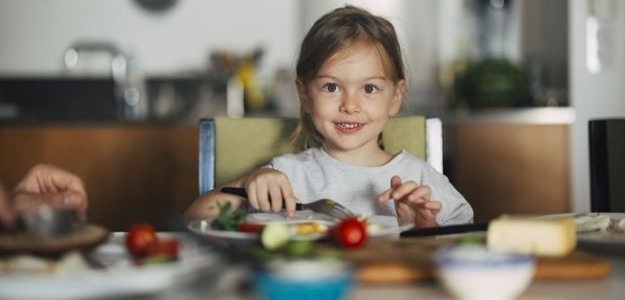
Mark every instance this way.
x=511 y=168
x=132 y=172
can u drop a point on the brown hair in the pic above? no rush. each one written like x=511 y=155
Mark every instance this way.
x=333 y=32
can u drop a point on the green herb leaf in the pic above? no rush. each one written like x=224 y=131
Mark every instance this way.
x=225 y=220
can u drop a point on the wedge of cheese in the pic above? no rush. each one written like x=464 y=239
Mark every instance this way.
x=543 y=237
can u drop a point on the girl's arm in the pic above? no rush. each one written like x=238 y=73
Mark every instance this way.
x=268 y=190
x=206 y=205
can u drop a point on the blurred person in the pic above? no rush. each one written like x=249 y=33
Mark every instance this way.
x=43 y=184
x=350 y=81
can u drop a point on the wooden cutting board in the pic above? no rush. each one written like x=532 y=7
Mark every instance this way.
x=409 y=260
x=81 y=240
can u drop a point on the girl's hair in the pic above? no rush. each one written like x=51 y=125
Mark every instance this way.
x=333 y=32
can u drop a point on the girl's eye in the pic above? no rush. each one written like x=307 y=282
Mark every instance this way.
x=370 y=89
x=331 y=88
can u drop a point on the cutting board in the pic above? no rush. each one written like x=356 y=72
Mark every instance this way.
x=81 y=240
x=409 y=260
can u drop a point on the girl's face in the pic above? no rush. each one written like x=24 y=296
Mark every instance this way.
x=351 y=98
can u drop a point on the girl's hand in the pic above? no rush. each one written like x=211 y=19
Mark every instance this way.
x=412 y=202
x=267 y=190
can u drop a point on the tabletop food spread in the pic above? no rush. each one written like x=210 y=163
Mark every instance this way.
x=113 y=266
x=363 y=249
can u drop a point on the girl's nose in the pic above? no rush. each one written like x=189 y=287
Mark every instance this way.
x=350 y=105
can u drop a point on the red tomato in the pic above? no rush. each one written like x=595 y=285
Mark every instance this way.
x=140 y=238
x=251 y=227
x=165 y=247
x=351 y=233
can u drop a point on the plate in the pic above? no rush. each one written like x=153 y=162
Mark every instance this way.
x=384 y=225
x=610 y=236
x=118 y=277
x=609 y=241
x=388 y=226
x=203 y=227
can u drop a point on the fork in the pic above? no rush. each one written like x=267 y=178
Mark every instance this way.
x=327 y=207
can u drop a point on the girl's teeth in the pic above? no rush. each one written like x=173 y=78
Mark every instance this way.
x=348 y=126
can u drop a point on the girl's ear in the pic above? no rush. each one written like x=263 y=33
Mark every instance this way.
x=301 y=93
x=398 y=97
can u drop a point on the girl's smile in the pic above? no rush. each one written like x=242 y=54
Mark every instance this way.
x=348 y=127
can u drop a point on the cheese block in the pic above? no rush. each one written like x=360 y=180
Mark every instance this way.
x=544 y=237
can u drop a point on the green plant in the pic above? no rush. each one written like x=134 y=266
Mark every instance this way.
x=494 y=83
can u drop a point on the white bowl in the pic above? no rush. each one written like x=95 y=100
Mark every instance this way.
x=475 y=272
x=314 y=279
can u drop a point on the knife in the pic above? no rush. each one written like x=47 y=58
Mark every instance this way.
x=443 y=230
x=241 y=192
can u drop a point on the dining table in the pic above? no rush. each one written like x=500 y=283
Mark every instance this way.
x=210 y=269
x=233 y=283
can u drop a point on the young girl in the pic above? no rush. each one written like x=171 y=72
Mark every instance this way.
x=350 y=80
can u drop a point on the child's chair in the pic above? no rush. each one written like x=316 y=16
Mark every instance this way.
x=230 y=147
x=606 y=138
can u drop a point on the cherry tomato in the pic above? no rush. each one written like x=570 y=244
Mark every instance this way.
x=251 y=227
x=168 y=248
x=351 y=233
x=140 y=238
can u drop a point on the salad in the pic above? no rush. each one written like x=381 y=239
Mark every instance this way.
x=274 y=234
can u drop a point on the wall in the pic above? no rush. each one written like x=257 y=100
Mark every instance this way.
x=35 y=33
x=598 y=95
x=544 y=35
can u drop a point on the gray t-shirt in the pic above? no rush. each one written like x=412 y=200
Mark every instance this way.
x=314 y=174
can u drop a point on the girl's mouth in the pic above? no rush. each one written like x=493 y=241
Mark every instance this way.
x=348 y=127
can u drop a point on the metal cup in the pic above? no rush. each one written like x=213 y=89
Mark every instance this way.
x=49 y=221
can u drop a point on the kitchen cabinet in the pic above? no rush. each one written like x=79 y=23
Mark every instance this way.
x=133 y=172
x=511 y=168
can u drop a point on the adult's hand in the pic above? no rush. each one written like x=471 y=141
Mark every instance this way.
x=50 y=185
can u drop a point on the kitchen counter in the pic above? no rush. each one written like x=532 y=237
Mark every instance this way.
x=12 y=122
x=536 y=116
x=529 y=116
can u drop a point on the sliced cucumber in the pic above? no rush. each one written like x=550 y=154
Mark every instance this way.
x=275 y=236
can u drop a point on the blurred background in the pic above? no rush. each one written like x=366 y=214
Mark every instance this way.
x=112 y=91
